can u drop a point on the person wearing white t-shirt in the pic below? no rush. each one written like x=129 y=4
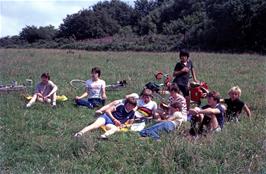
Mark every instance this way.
x=95 y=90
x=146 y=110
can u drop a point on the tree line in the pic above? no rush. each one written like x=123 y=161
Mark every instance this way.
x=155 y=25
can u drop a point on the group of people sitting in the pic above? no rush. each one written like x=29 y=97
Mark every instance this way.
x=134 y=112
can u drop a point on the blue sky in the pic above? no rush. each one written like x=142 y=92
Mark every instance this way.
x=16 y=14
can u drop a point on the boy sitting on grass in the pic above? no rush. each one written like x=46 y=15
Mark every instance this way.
x=235 y=105
x=175 y=97
x=45 y=91
x=95 y=89
x=172 y=121
x=211 y=115
x=113 y=118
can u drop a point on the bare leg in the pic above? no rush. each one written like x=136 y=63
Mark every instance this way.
x=32 y=101
x=214 y=123
x=188 y=102
x=53 y=98
x=98 y=123
x=111 y=129
x=40 y=99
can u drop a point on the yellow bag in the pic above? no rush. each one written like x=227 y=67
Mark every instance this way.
x=60 y=98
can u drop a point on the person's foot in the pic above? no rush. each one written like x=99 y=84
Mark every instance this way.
x=53 y=106
x=79 y=134
x=104 y=137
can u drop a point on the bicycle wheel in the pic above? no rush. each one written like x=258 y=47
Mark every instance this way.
x=77 y=83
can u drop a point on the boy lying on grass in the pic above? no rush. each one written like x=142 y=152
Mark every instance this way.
x=95 y=89
x=45 y=91
x=145 y=109
x=235 y=105
x=113 y=118
x=116 y=103
x=211 y=115
x=172 y=121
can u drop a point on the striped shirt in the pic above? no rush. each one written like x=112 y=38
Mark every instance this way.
x=179 y=99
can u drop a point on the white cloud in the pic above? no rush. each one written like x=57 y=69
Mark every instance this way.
x=16 y=14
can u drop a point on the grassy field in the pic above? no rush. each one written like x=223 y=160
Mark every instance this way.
x=40 y=139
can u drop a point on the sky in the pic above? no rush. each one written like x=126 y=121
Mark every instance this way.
x=17 y=14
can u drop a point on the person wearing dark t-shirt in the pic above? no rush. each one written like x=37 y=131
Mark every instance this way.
x=212 y=114
x=113 y=118
x=182 y=74
x=235 y=105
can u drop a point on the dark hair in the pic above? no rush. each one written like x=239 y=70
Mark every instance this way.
x=177 y=105
x=132 y=101
x=174 y=88
x=215 y=95
x=45 y=75
x=96 y=70
x=183 y=53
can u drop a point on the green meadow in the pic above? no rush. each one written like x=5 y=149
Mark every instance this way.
x=40 y=139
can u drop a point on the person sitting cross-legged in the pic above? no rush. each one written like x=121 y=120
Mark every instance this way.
x=172 y=121
x=113 y=118
x=95 y=90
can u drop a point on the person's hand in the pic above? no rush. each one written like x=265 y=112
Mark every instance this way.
x=104 y=97
x=40 y=95
x=193 y=112
x=77 y=98
x=195 y=80
x=117 y=123
x=45 y=98
x=185 y=69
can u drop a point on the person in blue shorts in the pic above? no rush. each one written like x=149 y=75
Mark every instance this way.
x=113 y=118
x=182 y=74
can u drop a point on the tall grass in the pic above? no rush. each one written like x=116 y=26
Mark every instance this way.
x=40 y=139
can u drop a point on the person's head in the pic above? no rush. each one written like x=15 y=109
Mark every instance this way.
x=95 y=73
x=158 y=75
x=146 y=95
x=45 y=78
x=130 y=103
x=174 y=107
x=183 y=55
x=234 y=93
x=174 y=90
x=213 y=98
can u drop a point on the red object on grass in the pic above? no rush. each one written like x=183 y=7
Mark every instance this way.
x=199 y=92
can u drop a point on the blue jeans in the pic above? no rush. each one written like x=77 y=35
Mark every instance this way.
x=90 y=103
x=156 y=129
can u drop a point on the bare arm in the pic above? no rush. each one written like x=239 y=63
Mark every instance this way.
x=112 y=104
x=247 y=110
x=209 y=111
x=183 y=70
x=194 y=74
x=104 y=93
x=85 y=94
x=109 y=113
x=53 y=91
